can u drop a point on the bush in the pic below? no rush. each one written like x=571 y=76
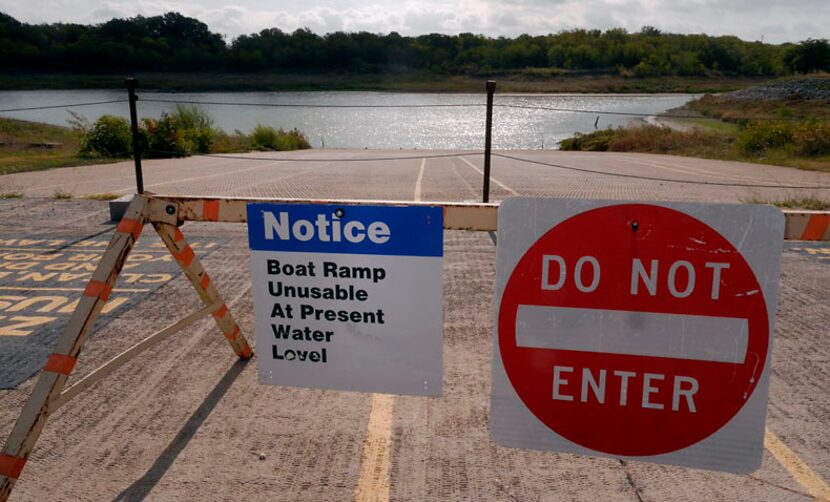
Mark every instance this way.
x=109 y=136
x=196 y=127
x=657 y=139
x=267 y=138
x=294 y=140
x=598 y=141
x=232 y=143
x=760 y=136
x=184 y=132
x=648 y=139
x=162 y=139
x=812 y=138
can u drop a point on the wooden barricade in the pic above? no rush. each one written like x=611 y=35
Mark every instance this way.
x=166 y=214
x=49 y=393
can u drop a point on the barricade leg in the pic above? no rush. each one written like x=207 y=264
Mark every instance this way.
x=60 y=364
x=195 y=272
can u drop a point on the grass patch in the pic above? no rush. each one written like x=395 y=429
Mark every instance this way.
x=651 y=139
x=11 y=195
x=31 y=146
x=102 y=196
x=808 y=203
x=785 y=159
x=694 y=143
x=792 y=131
x=705 y=124
x=61 y=194
x=802 y=141
x=729 y=109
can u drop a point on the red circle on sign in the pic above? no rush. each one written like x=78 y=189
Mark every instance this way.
x=615 y=236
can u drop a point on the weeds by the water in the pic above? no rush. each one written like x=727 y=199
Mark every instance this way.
x=268 y=138
x=30 y=146
x=186 y=131
x=11 y=195
x=649 y=139
x=262 y=138
x=791 y=132
x=804 y=145
x=733 y=110
x=61 y=194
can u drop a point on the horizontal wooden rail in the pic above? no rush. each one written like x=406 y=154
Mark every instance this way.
x=800 y=225
x=807 y=225
x=457 y=215
x=129 y=354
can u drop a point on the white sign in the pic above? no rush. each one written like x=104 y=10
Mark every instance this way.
x=348 y=297
x=635 y=330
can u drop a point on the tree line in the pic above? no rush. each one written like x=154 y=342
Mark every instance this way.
x=173 y=42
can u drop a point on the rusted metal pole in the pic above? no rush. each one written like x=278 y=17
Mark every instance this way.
x=488 y=135
x=132 y=84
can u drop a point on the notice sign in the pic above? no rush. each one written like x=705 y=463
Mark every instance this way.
x=348 y=297
x=635 y=330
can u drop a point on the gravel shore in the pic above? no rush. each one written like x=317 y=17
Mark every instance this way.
x=805 y=88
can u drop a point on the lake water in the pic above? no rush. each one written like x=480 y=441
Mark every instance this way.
x=380 y=126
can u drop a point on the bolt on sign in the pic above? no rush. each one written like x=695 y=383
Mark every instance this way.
x=348 y=297
x=635 y=330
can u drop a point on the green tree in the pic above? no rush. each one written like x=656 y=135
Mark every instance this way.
x=176 y=42
x=808 y=56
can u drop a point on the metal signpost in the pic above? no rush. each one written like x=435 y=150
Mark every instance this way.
x=635 y=330
x=132 y=84
x=488 y=140
x=348 y=297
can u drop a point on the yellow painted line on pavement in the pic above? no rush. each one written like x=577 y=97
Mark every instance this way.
x=33 y=288
x=373 y=482
x=497 y=182
x=71 y=249
x=806 y=477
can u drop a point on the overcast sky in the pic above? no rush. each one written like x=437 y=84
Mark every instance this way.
x=771 y=20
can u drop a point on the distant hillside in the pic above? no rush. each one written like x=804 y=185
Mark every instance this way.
x=173 y=42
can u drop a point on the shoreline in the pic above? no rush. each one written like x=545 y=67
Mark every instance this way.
x=384 y=82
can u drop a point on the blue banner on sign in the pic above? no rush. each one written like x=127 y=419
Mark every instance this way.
x=329 y=228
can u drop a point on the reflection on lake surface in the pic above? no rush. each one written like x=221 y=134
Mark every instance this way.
x=445 y=127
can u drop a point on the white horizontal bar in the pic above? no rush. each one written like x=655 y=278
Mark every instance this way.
x=679 y=336
x=123 y=358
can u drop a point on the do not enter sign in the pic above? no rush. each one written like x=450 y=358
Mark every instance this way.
x=635 y=330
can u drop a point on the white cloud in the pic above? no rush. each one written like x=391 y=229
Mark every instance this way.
x=748 y=19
